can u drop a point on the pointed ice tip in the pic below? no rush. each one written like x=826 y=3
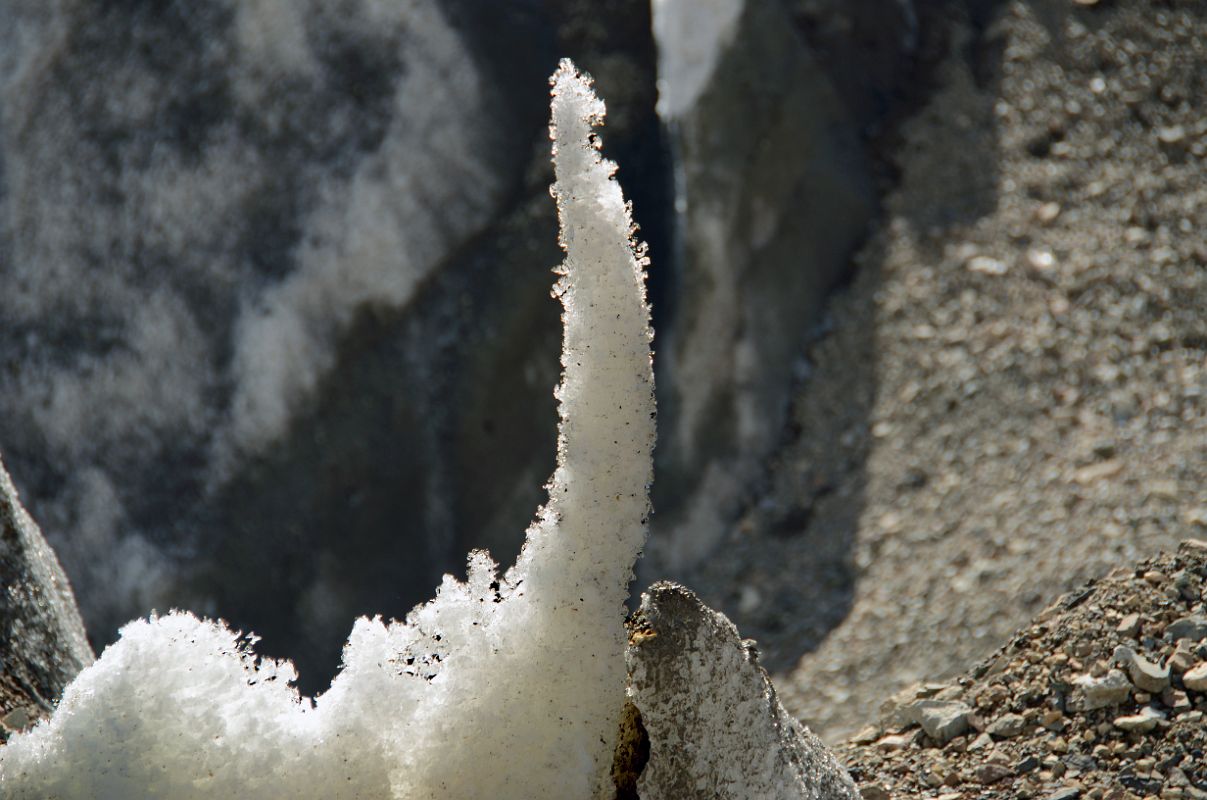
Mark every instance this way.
x=598 y=492
x=573 y=93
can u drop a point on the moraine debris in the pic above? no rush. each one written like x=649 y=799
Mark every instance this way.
x=1087 y=701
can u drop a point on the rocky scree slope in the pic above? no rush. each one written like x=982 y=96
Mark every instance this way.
x=1102 y=696
x=1009 y=398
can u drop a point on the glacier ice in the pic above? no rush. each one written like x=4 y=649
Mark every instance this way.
x=503 y=686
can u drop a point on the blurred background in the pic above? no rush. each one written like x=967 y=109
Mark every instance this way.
x=277 y=343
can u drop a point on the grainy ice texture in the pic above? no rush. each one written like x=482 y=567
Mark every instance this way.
x=691 y=35
x=715 y=726
x=197 y=202
x=42 y=641
x=501 y=687
x=771 y=196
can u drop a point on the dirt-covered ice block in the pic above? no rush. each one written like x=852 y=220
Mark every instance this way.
x=42 y=641
x=715 y=726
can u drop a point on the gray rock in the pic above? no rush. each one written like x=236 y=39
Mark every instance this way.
x=1026 y=764
x=874 y=791
x=1129 y=626
x=1006 y=726
x=1195 y=679
x=715 y=726
x=1144 y=674
x=894 y=741
x=898 y=711
x=18 y=719
x=42 y=641
x=942 y=720
x=1067 y=793
x=1193 y=627
x=1109 y=690
x=981 y=742
x=991 y=772
x=1143 y=721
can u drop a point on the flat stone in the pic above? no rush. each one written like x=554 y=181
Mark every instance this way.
x=1109 y=690
x=1096 y=472
x=1195 y=679
x=1066 y=793
x=1143 y=722
x=866 y=735
x=900 y=710
x=986 y=265
x=992 y=773
x=1176 y=700
x=1144 y=674
x=1006 y=726
x=1176 y=777
x=1129 y=626
x=18 y=719
x=1181 y=661
x=1026 y=764
x=1192 y=627
x=943 y=720
x=981 y=742
x=1053 y=720
x=894 y=741
x=1171 y=134
x=1080 y=762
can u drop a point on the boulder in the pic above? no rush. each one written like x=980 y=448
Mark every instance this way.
x=714 y=726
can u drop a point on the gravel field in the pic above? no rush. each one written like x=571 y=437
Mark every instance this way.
x=1010 y=397
x=1102 y=696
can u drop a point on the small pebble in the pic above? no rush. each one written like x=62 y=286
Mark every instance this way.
x=1172 y=134
x=17 y=719
x=1145 y=674
x=1192 y=627
x=986 y=265
x=894 y=741
x=1006 y=726
x=1129 y=626
x=1195 y=679
x=1109 y=690
x=992 y=773
x=981 y=742
x=1047 y=212
x=1143 y=722
x=874 y=791
x=1065 y=793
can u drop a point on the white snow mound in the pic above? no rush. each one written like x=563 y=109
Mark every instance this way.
x=502 y=686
